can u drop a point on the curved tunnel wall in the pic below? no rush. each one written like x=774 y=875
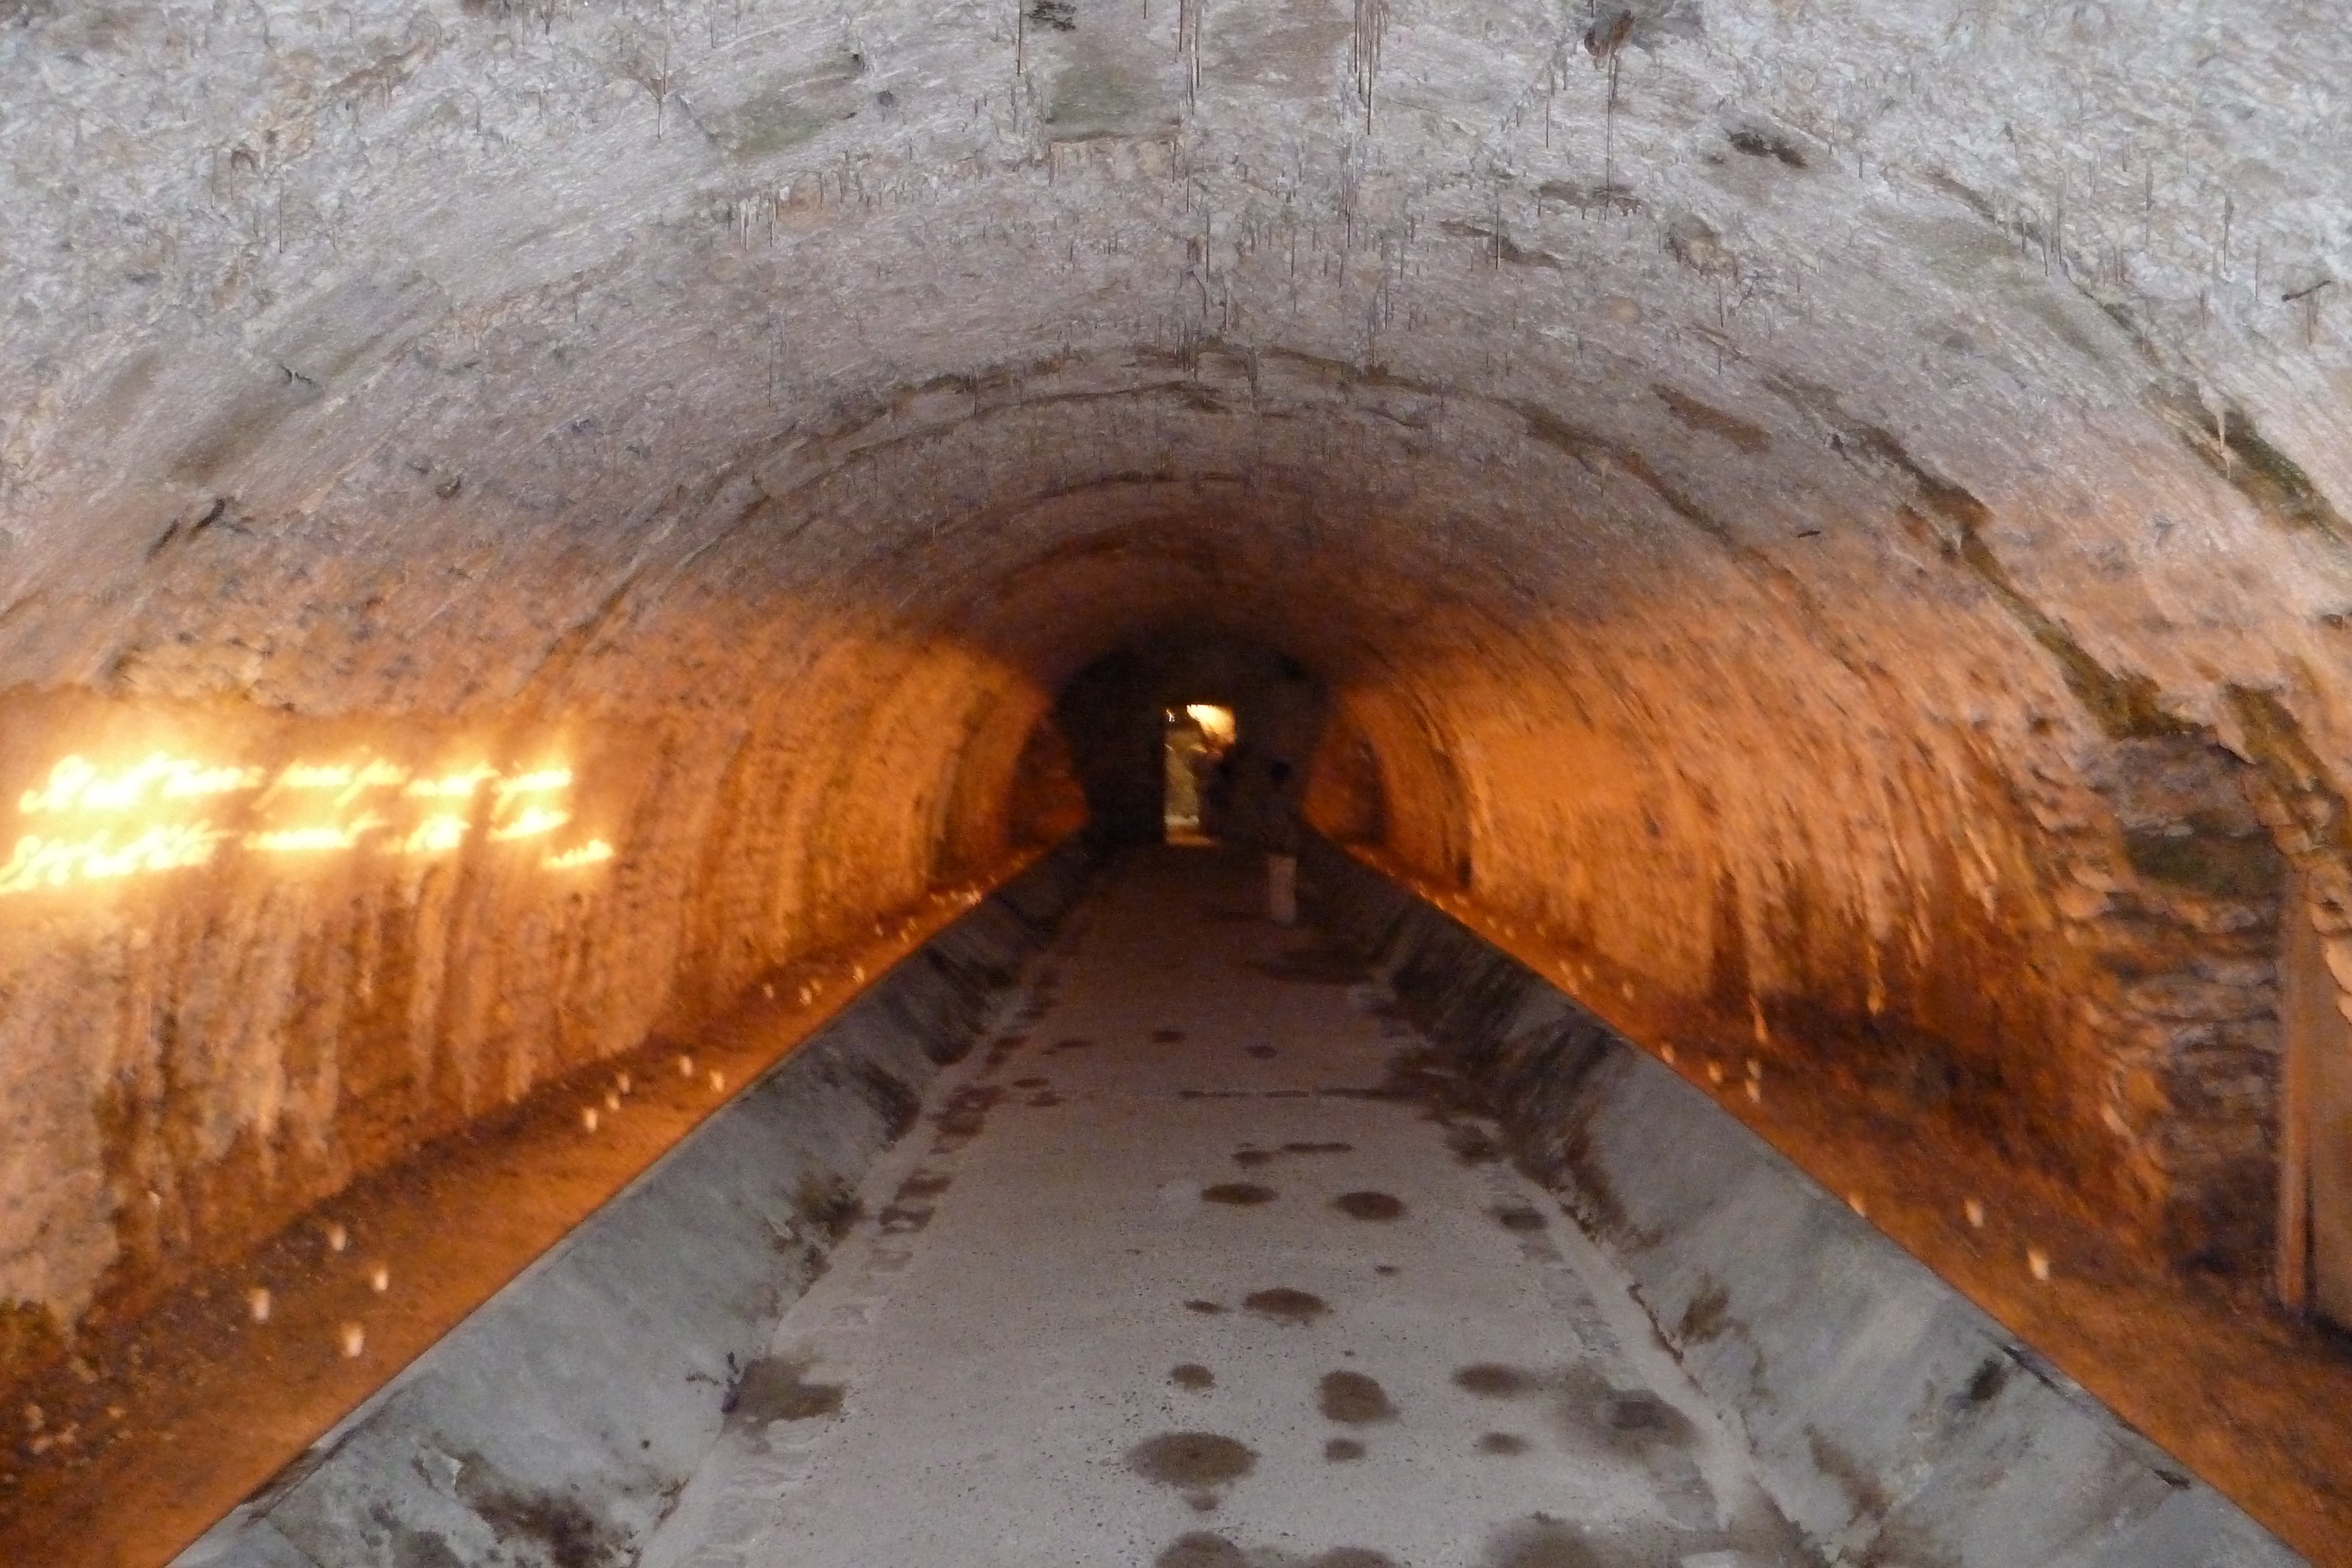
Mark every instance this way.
x=1822 y=520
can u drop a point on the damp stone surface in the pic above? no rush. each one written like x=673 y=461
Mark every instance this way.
x=997 y=1389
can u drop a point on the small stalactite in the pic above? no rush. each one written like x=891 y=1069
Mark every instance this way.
x=1605 y=42
x=1188 y=46
x=1371 y=21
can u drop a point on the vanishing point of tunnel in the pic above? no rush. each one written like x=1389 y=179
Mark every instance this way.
x=600 y=597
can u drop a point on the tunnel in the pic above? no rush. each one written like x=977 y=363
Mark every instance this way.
x=550 y=547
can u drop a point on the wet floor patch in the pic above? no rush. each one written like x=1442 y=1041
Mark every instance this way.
x=1519 y=1217
x=1286 y=1305
x=775 y=1388
x=1192 y=1461
x=923 y=1185
x=1592 y=1414
x=1542 y=1543
x=827 y=1204
x=1354 y=1399
x=1031 y=1082
x=1206 y=1309
x=893 y=1099
x=1192 y=1376
x=904 y=1218
x=965 y=1116
x=1472 y=1147
x=1632 y=1422
x=1045 y=1100
x=1542 y=1540
x=1377 y=1205
x=1636 y=1426
x=1343 y=1450
x=1502 y=1443
x=1492 y=1380
x=1313 y=968
x=1074 y=1042
x=1252 y=1158
x=1261 y=1052
x=1166 y=1036
x=1202 y=1549
x=1237 y=1194
x=1304 y=1148
x=534 y=1525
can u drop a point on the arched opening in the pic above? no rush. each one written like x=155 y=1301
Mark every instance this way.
x=1197 y=748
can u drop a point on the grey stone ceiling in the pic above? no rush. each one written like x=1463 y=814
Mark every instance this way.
x=564 y=290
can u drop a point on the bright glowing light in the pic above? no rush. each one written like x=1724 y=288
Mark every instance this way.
x=1216 y=722
x=76 y=784
x=52 y=863
x=327 y=800
x=192 y=778
x=546 y=779
x=315 y=776
x=453 y=786
x=158 y=849
x=373 y=776
x=435 y=834
x=349 y=780
x=312 y=840
x=534 y=820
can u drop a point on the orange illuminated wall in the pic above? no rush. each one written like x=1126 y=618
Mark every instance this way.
x=97 y=822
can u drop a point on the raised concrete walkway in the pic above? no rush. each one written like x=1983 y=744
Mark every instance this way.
x=1175 y=1272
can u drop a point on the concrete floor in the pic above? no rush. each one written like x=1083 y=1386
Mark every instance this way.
x=1158 y=1278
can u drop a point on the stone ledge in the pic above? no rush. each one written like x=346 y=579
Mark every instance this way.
x=560 y=1419
x=1891 y=1419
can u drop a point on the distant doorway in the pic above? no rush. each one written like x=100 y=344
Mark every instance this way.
x=1196 y=750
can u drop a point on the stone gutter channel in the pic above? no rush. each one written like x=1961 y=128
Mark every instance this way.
x=559 y=1421
x=1890 y=1420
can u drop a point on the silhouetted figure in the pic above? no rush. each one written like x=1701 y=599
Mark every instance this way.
x=1215 y=776
x=1279 y=826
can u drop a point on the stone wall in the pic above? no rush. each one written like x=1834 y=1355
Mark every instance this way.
x=551 y=1425
x=374 y=928
x=1776 y=491
x=1890 y=1419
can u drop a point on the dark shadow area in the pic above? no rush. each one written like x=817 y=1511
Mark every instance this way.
x=1124 y=719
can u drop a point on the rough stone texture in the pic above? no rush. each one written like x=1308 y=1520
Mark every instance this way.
x=1891 y=1420
x=1753 y=477
x=558 y=1422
